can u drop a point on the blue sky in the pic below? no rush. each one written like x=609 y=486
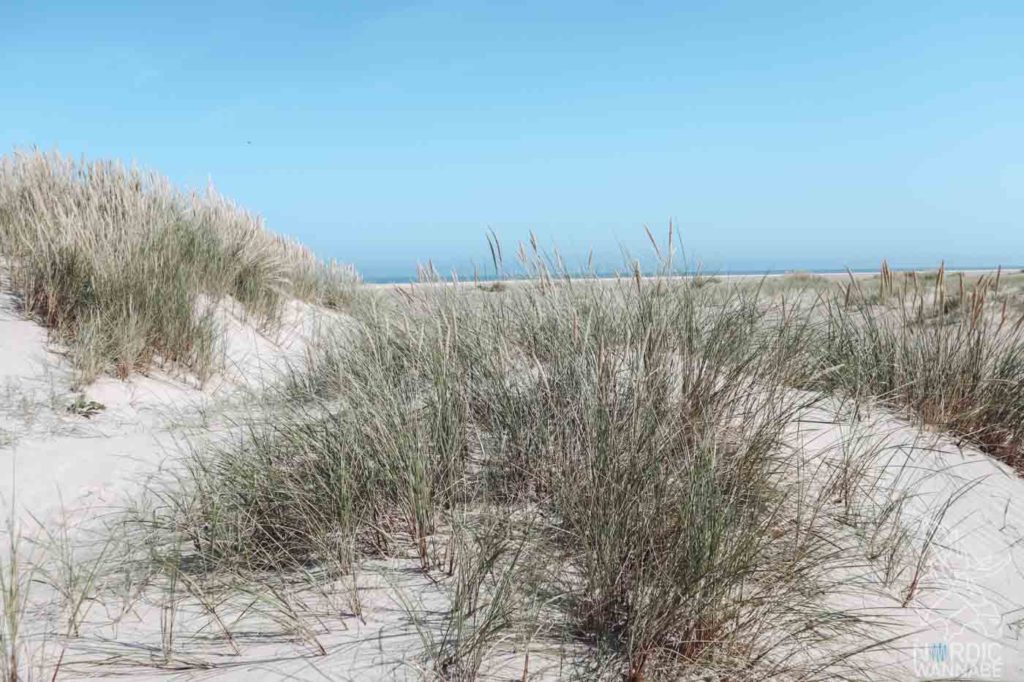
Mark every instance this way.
x=775 y=135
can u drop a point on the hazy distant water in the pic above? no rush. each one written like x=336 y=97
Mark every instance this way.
x=408 y=277
x=480 y=266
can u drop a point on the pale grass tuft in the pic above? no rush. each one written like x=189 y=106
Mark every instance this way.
x=124 y=268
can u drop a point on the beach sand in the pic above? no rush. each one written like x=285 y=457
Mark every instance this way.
x=62 y=468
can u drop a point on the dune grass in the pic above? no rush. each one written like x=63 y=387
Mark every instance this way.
x=596 y=464
x=580 y=465
x=14 y=592
x=603 y=463
x=125 y=269
x=950 y=353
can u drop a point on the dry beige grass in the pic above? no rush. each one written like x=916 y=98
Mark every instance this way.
x=606 y=466
x=124 y=268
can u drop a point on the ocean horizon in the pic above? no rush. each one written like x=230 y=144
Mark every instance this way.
x=470 y=276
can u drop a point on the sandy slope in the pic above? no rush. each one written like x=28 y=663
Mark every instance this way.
x=53 y=461
x=964 y=511
x=64 y=469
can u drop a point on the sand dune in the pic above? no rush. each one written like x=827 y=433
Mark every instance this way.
x=962 y=509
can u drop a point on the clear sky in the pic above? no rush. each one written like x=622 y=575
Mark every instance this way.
x=776 y=135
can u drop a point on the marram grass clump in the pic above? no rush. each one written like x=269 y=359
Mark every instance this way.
x=126 y=270
x=951 y=353
x=601 y=462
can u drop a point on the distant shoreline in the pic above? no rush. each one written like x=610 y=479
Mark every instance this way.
x=736 y=275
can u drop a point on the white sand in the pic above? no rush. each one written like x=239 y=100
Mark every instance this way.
x=53 y=462
x=964 y=619
x=970 y=596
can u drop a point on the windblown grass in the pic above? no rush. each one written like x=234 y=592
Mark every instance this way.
x=952 y=354
x=125 y=269
x=15 y=583
x=620 y=446
x=579 y=465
